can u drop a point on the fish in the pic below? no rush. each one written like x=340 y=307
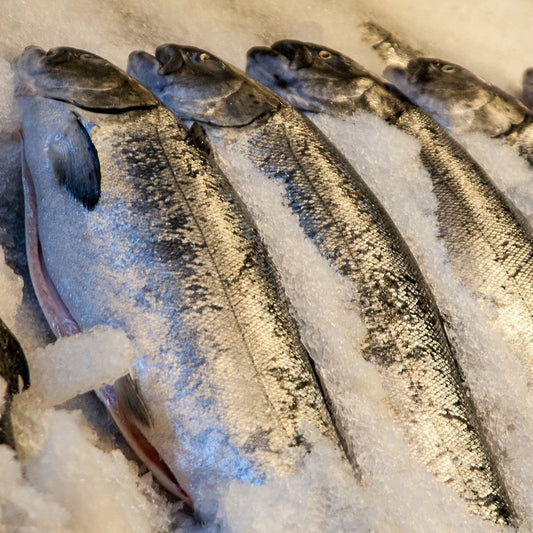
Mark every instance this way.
x=136 y=228
x=453 y=95
x=13 y=369
x=405 y=338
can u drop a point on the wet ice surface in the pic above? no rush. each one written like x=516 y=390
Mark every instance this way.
x=67 y=476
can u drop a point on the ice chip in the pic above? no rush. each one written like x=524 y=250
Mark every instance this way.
x=77 y=364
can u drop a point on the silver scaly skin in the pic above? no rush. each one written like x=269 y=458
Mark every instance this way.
x=454 y=96
x=490 y=245
x=139 y=230
x=336 y=210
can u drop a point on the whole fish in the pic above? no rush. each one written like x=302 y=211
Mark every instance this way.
x=344 y=220
x=139 y=230
x=13 y=369
x=458 y=99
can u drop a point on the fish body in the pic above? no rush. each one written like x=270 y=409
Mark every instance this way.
x=140 y=231
x=349 y=227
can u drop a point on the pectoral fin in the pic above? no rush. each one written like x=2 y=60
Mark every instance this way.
x=74 y=160
x=13 y=364
x=131 y=401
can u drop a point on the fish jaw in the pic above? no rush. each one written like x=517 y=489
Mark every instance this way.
x=63 y=324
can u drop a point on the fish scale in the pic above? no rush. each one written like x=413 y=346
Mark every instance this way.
x=405 y=336
x=169 y=254
x=349 y=227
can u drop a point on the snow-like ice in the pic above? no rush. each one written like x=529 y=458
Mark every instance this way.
x=79 y=364
x=67 y=483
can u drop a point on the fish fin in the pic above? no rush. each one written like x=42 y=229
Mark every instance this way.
x=13 y=364
x=74 y=160
x=130 y=400
x=197 y=137
x=6 y=427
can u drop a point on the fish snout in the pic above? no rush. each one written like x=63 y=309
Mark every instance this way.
x=170 y=58
x=144 y=68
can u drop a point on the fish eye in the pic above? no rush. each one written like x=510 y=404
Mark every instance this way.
x=448 y=68
x=203 y=56
x=324 y=54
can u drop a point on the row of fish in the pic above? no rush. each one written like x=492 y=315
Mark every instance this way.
x=160 y=244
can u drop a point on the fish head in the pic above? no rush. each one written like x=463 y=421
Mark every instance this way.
x=458 y=98
x=196 y=85
x=311 y=77
x=79 y=78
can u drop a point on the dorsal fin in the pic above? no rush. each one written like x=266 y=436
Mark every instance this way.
x=197 y=137
x=74 y=161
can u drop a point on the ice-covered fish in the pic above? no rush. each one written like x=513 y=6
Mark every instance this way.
x=14 y=370
x=491 y=246
x=139 y=230
x=458 y=99
x=344 y=220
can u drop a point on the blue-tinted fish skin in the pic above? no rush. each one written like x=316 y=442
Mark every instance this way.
x=167 y=252
x=345 y=221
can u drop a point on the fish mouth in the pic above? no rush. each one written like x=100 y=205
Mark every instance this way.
x=268 y=66
x=143 y=67
x=29 y=60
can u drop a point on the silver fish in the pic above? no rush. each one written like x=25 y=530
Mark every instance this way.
x=490 y=244
x=462 y=102
x=454 y=96
x=344 y=220
x=139 y=230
